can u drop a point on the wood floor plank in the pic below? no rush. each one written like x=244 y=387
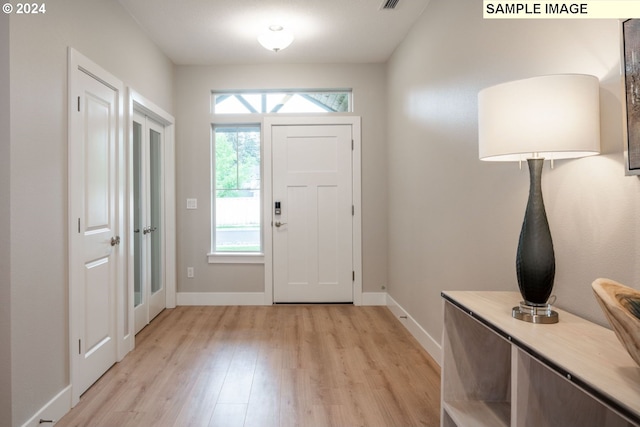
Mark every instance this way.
x=239 y=378
x=228 y=415
x=276 y=366
x=264 y=401
x=200 y=402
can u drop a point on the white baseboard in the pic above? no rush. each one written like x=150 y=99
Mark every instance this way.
x=427 y=342
x=374 y=298
x=220 y=298
x=55 y=409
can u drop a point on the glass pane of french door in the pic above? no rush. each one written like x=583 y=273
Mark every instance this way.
x=155 y=193
x=138 y=201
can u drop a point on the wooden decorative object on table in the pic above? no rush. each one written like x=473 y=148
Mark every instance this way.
x=621 y=305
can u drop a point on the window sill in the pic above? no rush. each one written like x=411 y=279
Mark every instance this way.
x=236 y=258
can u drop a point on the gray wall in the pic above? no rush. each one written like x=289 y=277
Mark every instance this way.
x=454 y=221
x=5 y=246
x=193 y=136
x=104 y=32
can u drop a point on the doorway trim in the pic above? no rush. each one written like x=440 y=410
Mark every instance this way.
x=138 y=103
x=268 y=124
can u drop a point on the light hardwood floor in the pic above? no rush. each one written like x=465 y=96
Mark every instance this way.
x=291 y=365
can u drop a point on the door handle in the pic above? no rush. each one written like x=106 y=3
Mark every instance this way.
x=115 y=240
x=279 y=224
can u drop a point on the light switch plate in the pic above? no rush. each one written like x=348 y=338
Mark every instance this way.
x=192 y=203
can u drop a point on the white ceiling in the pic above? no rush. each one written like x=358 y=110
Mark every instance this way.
x=225 y=31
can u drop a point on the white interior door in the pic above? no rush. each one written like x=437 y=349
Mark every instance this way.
x=94 y=240
x=312 y=231
x=148 y=218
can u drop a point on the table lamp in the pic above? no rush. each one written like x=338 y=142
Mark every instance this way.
x=547 y=117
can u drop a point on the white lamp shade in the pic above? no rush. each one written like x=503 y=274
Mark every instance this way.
x=553 y=117
x=276 y=38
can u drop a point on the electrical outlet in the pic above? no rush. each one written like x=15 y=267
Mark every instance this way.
x=189 y=272
x=192 y=203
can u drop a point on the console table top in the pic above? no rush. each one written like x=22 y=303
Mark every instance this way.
x=587 y=354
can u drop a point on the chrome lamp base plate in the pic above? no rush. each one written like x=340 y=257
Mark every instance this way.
x=538 y=313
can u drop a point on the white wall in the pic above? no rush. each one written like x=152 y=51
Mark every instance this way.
x=454 y=221
x=104 y=32
x=193 y=134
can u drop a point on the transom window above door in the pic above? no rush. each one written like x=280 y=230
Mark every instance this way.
x=281 y=101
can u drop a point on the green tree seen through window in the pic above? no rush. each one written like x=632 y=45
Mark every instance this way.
x=237 y=152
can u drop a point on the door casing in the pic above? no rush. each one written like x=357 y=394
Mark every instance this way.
x=268 y=124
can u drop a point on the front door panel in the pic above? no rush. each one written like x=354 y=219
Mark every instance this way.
x=312 y=236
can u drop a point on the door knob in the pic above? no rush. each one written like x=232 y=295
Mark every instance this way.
x=115 y=240
x=279 y=224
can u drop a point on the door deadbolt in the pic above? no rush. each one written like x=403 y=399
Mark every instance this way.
x=149 y=229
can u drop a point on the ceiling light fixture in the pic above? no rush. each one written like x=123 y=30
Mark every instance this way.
x=276 y=38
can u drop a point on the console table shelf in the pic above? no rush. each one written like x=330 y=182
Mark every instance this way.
x=499 y=371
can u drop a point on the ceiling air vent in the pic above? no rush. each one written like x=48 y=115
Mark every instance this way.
x=389 y=4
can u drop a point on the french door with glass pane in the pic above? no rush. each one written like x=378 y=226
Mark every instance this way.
x=148 y=221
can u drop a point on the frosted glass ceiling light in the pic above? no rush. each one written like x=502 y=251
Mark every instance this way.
x=276 y=38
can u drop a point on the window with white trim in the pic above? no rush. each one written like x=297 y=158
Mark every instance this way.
x=236 y=190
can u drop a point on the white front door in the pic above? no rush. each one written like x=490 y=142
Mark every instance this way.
x=94 y=147
x=312 y=231
x=148 y=218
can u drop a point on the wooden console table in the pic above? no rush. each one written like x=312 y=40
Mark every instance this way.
x=499 y=371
